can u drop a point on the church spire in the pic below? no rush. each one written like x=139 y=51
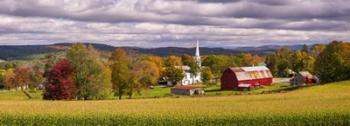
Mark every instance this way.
x=197 y=56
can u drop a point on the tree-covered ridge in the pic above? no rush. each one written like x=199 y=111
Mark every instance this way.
x=13 y=52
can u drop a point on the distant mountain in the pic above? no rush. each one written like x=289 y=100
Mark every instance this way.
x=9 y=52
x=268 y=48
x=26 y=51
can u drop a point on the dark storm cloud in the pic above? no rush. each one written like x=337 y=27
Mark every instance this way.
x=108 y=11
x=218 y=1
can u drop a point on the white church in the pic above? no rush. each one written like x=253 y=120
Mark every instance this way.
x=189 y=78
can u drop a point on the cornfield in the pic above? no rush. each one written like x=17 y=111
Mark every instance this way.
x=319 y=105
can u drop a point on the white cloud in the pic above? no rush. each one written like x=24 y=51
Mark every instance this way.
x=152 y=23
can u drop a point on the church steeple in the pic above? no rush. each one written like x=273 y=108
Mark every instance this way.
x=197 y=56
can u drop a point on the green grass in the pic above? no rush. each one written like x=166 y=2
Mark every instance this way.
x=19 y=95
x=215 y=90
x=317 y=105
x=156 y=92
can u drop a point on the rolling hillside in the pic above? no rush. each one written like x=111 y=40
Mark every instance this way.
x=26 y=51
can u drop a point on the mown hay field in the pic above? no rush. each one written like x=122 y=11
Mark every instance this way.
x=318 y=105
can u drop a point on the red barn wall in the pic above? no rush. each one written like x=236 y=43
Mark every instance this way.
x=228 y=80
x=265 y=81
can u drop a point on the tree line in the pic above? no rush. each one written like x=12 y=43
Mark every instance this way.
x=85 y=73
x=329 y=62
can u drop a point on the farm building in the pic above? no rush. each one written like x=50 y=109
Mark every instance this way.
x=187 y=90
x=189 y=78
x=240 y=78
x=302 y=78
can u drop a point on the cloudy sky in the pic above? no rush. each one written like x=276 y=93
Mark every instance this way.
x=156 y=23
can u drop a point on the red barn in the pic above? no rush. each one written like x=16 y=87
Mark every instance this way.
x=245 y=77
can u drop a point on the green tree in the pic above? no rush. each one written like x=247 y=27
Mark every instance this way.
x=10 y=81
x=173 y=74
x=187 y=59
x=305 y=49
x=50 y=61
x=36 y=77
x=2 y=78
x=217 y=64
x=333 y=64
x=158 y=62
x=87 y=71
x=207 y=75
x=106 y=88
x=120 y=72
x=173 y=69
x=296 y=61
x=271 y=62
x=317 y=49
x=279 y=62
x=173 y=61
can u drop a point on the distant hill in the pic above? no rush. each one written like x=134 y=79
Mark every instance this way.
x=9 y=52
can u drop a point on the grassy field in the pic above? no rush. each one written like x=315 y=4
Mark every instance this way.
x=156 y=92
x=317 y=105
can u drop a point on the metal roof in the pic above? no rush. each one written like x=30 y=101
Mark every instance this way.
x=252 y=73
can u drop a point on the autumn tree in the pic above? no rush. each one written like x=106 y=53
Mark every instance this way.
x=120 y=72
x=50 y=61
x=59 y=83
x=305 y=49
x=35 y=77
x=148 y=73
x=2 y=78
x=207 y=75
x=173 y=69
x=21 y=77
x=10 y=81
x=217 y=64
x=333 y=64
x=271 y=62
x=189 y=61
x=317 y=49
x=173 y=61
x=143 y=74
x=158 y=62
x=279 y=62
x=87 y=71
x=249 y=59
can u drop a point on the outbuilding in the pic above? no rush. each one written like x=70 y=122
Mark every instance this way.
x=236 y=78
x=187 y=90
x=303 y=78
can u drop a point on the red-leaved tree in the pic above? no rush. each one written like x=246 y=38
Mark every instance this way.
x=59 y=83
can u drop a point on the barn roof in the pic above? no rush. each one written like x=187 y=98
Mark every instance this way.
x=251 y=73
x=306 y=74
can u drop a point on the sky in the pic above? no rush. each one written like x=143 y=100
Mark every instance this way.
x=163 y=23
